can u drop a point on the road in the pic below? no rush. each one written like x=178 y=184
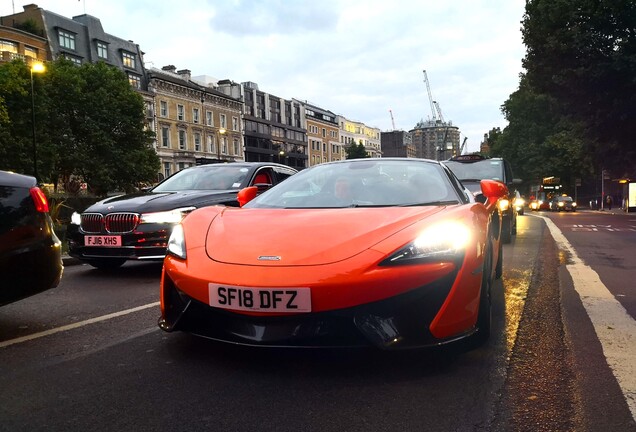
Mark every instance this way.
x=89 y=355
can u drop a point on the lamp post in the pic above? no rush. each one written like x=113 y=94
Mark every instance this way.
x=37 y=68
x=281 y=154
x=220 y=132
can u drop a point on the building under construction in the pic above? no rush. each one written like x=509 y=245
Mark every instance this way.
x=435 y=138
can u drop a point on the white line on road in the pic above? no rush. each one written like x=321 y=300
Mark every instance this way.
x=76 y=325
x=615 y=328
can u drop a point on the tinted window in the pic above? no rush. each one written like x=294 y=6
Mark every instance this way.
x=15 y=207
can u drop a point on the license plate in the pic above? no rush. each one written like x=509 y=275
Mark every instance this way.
x=260 y=299
x=103 y=241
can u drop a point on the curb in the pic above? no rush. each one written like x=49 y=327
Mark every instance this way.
x=68 y=260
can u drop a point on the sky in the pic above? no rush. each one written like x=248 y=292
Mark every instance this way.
x=363 y=59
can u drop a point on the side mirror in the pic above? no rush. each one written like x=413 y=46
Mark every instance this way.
x=493 y=190
x=246 y=195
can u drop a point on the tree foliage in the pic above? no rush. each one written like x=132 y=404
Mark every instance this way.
x=89 y=124
x=581 y=54
x=356 y=151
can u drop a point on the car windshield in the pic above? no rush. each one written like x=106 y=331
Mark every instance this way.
x=362 y=183
x=212 y=177
x=485 y=169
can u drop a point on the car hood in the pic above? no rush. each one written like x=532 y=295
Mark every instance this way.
x=144 y=202
x=288 y=237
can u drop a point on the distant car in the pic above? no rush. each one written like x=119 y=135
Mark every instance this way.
x=30 y=252
x=472 y=168
x=519 y=202
x=390 y=253
x=137 y=226
x=562 y=203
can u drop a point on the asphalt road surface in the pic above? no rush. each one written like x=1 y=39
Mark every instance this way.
x=88 y=356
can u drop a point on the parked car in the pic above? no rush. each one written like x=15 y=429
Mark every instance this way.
x=30 y=252
x=562 y=203
x=389 y=252
x=137 y=226
x=473 y=168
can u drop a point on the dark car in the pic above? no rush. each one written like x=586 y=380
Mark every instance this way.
x=137 y=226
x=30 y=252
x=473 y=168
x=562 y=203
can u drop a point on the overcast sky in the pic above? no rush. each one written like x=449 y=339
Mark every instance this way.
x=358 y=58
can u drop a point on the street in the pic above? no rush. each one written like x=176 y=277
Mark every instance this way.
x=89 y=355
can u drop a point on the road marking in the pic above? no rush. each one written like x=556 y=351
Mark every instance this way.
x=615 y=328
x=76 y=325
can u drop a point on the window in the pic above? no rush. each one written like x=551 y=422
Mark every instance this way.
x=324 y=132
x=66 y=39
x=30 y=52
x=236 y=147
x=76 y=60
x=195 y=115
x=209 y=120
x=135 y=81
x=166 y=169
x=165 y=136
x=102 y=50
x=235 y=124
x=163 y=110
x=210 y=144
x=224 y=140
x=181 y=165
x=180 y=112
x=182 y=140
x=197 y=142
x=9 y=46
x=128 y=59
x=223 y=121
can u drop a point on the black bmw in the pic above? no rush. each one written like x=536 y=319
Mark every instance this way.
x=137 y=226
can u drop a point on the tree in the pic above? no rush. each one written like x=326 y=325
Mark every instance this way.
x=582 y=54
x=356 y=151
x=90 y=124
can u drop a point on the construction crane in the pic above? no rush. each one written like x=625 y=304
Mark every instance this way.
x=430 y=96
x=392 y=120
x=463 y=146
x=439 y=111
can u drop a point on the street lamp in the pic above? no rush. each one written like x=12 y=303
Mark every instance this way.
x=280 y=155
x=36 y=67
x=218 y=144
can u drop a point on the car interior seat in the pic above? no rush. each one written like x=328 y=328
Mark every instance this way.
x=262 y=178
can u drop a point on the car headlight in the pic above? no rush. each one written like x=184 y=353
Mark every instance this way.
x=573 y=204
x=561 y=204
x=172 y=216
x=176 y=242
x=504 y=204
x=444 y=240
x=76 y=219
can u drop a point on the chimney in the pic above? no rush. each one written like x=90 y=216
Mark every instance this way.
x=169 y=68
x=185 y=74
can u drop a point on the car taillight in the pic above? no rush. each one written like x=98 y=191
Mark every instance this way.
x=39 y=199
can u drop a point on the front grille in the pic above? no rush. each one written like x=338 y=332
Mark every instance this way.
x=114 y=223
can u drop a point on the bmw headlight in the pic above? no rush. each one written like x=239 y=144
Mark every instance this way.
x=76 y=218
x=171 y=217
x=444 y=240
x=176 y=243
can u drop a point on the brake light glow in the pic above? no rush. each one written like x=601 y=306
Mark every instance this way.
x=39 y=199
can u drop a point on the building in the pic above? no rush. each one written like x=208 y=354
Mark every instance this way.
x=323 y=135
x=80 y=39
x=437 y=140
x=397 y=143
x=274 y=128
x=354 y=132
x=195 y=124
x=20 y=42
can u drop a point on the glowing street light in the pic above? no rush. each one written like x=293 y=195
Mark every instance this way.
x=218 y=144
x=36 y=67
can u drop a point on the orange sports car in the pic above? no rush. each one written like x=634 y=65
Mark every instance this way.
x=391 y=252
